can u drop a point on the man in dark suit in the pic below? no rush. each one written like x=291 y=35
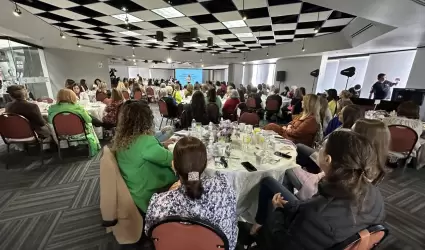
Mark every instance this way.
x=20 y=106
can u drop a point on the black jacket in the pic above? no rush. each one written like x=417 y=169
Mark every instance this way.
x=321 y=222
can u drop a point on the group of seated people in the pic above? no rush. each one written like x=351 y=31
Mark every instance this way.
x=338 y=200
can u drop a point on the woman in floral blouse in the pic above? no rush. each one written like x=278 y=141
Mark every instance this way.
x=111 y=111
x=209 y=198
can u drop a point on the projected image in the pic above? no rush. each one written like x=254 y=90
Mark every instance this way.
x=184 y=76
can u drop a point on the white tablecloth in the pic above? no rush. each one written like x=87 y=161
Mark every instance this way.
x=246 y=183
x=94 y=109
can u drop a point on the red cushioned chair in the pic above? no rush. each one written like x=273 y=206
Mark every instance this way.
x=179 y=233
x=163 y=110
x=366 y=239
x=250 y=118
x=137 y=95
x=67 y=124
x=272 y=107
x=403 y=141
x=16 y=129
x=251 y=103
x=151 y=94
x=126 y=95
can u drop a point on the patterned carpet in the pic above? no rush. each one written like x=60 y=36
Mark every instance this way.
x=57 y=206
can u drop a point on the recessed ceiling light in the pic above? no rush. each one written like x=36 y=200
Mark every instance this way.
x=168 y=12
x=130 y=33
x=128 y=17
x=244 y=35
x=234 y=24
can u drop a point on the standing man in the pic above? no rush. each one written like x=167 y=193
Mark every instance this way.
x=381 y=89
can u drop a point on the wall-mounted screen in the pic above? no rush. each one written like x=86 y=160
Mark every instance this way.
x=184 y=76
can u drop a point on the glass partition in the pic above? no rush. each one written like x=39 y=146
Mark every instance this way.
x=21 y=63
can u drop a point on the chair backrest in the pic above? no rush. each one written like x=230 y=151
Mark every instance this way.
x=272 y=105
x=250 y=118
x=366 y=239
x=14 y=126
x=213 y=113
x=163 y=110
x=68 y=124
x=179 y=233
x=125 y=94
x=150 y=91
x=251 y=103
x=403 y=139
x=100 y=96
x=47 y=99
x=137 y=95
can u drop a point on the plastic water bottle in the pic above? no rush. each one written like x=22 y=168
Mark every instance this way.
x=193 y=124
x=210 y=127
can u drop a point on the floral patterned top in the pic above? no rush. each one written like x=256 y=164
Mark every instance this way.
x=217 y=205
x=111 y=112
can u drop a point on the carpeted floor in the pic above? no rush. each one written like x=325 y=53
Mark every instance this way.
x=57 y=206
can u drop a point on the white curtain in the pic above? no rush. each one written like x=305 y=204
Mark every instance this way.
x=262 y=73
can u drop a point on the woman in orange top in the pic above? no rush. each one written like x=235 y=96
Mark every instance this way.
x=304 y=128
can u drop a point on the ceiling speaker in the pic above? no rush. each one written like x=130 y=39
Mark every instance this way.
x=160 y=36
x=349 y=72
x=180 y=43
x=315 y=73
x=210 y=42
x=193 y=33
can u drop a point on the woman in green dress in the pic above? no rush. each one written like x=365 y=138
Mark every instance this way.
x=144 y=162
x=66 y=101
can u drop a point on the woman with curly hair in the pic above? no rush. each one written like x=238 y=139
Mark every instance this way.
x=144 y=162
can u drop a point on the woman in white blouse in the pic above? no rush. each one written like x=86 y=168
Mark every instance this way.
x=79 y=91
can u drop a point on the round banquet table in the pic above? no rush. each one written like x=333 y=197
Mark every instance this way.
x=246 y=184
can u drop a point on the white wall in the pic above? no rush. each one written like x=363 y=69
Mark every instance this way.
x=162 y=73
x=66 y=64
x=417 y=74
x=326 y=79
x=298 y=71
x=360 y=63
x=395 y=65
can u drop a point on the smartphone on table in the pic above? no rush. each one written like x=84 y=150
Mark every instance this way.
x=286 y=156
x=248 y=166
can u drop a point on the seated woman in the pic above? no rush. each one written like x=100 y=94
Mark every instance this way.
x=332 y=101
x=188 y=91
x=79 y=91
x=296 y=102
x=195 y=195
x=198 y=108
x=347 y=117
x=346 y=202
x=102 y=92
x=66 y=101
x=344 y=100
x=231 y=104
x=213 y=98
x=111 y=111
x=31 y=111
x=306 y=182
x=176 y=94
x=144 y=162
x=407 y=115
x=336 y=122
x=304 y=129
x=325 y=113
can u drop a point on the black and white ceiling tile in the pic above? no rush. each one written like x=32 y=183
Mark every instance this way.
x=268 y=23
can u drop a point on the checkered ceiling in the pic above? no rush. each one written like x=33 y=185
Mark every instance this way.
x=268 y=23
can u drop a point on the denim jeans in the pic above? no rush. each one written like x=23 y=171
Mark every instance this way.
x=268 y=188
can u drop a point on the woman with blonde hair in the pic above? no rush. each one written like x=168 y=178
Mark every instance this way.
x=344 y=100
x=325 y=113
x=176 y=93
x=67 y=102
x=145 y=163
x=102 y=92
x=306 y=128
x=189 y=90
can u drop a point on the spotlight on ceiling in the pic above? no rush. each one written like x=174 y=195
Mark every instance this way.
x=146 y=61
x=316 y=30
x=62 y=34
x=78 y=45
x=210 y=42
x=17 y=11
x=194 y=33
x=169 y=60
x=244 y=17
x=267 y=54
x=202 y=65
x=180 y=43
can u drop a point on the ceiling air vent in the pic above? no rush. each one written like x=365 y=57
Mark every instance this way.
x=420 y=2
x=370 y=25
